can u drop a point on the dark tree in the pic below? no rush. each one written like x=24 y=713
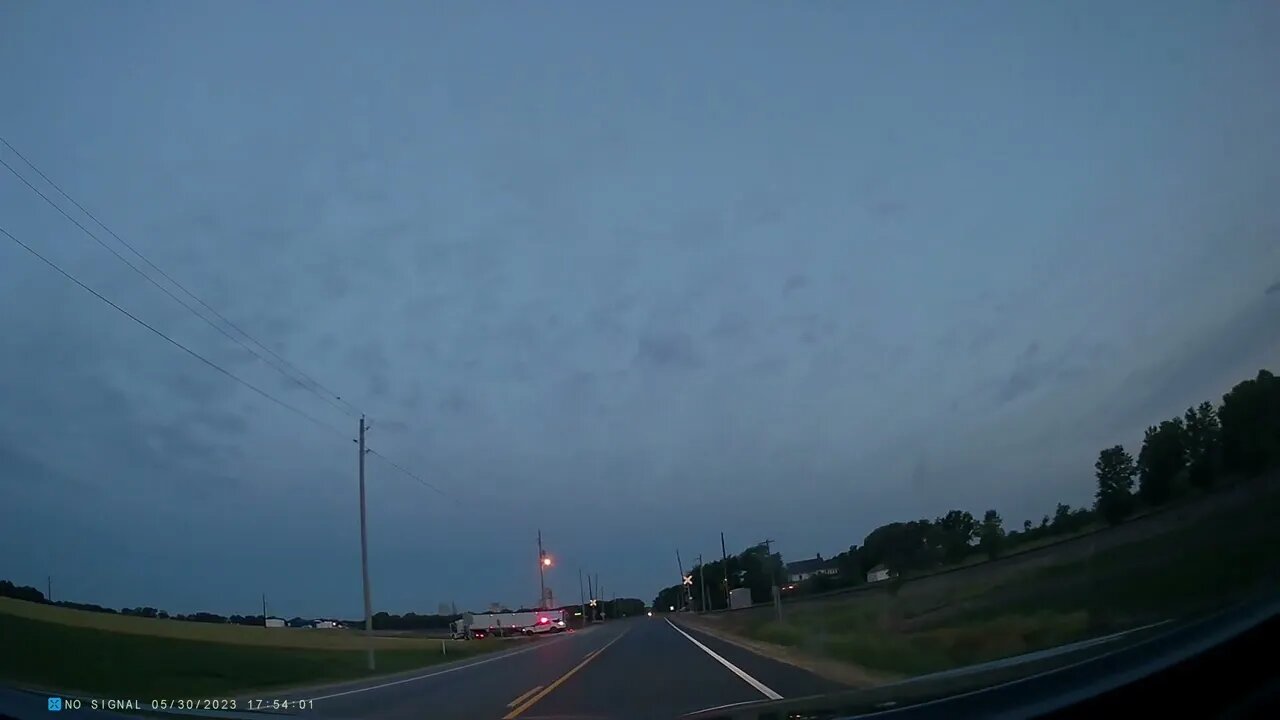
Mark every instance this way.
x=1250 y=425
x=1115 y=470
x=1162 y=458
x=1204 y=444
x=991 y=534
x=956 y=531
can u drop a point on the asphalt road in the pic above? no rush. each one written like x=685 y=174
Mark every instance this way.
x=636 y=668
x=620 y=670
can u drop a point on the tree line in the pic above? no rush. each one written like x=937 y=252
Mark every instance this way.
x=1203 y=448
x=621 y=607
x=1206 y=446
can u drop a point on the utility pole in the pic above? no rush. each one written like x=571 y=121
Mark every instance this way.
x=599 y=598
x=773 y=571
x=582 y=598
x=542 y=582
x=686 y=593
x=48 y=587
x=364 y=552
x=773 y=577
x=724 y=557
x=702 y=580
x=264 y=609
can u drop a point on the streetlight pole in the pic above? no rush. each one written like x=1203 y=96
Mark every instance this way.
x=542 y=582
x=543 y=562
x=582 y=598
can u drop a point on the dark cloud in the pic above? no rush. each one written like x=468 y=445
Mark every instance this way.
x=379 y=385
x=369 y=361
x=198 y=389
x=1273 y=288
x=1028 y=373
x=630 y=282
x=454 y=402
x=794 y=283
x=885 y=209
x=667 y=350
x=223 y=422
x=1033 y=370
x=393 y=426
x=732 y=326
x=1206 y=367
x=411 y=400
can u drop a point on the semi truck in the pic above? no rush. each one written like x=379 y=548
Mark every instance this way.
x=473 y=626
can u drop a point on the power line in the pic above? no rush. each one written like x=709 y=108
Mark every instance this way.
x=395 y=465
x=310 y=385
x=170 y=340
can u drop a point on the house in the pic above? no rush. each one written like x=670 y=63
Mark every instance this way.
x=802 y=570
x=879 y=572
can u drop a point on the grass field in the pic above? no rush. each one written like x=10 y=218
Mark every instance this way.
x=98 y=653
x=1069 y=593
x=222 y=633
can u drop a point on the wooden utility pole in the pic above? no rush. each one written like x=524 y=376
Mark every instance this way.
x=702 y=581
x=364 y=553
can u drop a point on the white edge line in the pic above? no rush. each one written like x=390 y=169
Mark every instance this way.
x=764 y=689
x=428 y=675
x=721 y=707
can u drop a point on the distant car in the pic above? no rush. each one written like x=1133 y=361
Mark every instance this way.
x=545 y=625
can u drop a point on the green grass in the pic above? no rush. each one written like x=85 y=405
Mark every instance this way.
x=71 y=658
x=213 y=632
x=1194 y=568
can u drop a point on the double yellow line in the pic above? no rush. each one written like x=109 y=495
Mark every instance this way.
x=521 y=703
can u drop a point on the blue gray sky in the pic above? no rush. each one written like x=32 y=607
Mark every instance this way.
x=631 y=273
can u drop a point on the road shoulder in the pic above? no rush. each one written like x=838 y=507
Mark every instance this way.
x=374 y=681
x=847 y=674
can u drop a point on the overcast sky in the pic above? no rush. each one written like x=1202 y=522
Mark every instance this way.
x=631 y=273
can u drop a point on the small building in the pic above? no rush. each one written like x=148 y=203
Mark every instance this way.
x=274 y=622
x=879 y=572
x=802 y=570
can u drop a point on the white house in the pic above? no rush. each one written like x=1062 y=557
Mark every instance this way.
x=878 y=573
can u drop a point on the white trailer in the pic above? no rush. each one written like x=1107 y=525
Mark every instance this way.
x=477 y=625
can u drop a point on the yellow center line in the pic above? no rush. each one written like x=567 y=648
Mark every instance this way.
x=524 y=695
x=590 y=656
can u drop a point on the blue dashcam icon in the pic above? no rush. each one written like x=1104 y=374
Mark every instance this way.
x=55 y=704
